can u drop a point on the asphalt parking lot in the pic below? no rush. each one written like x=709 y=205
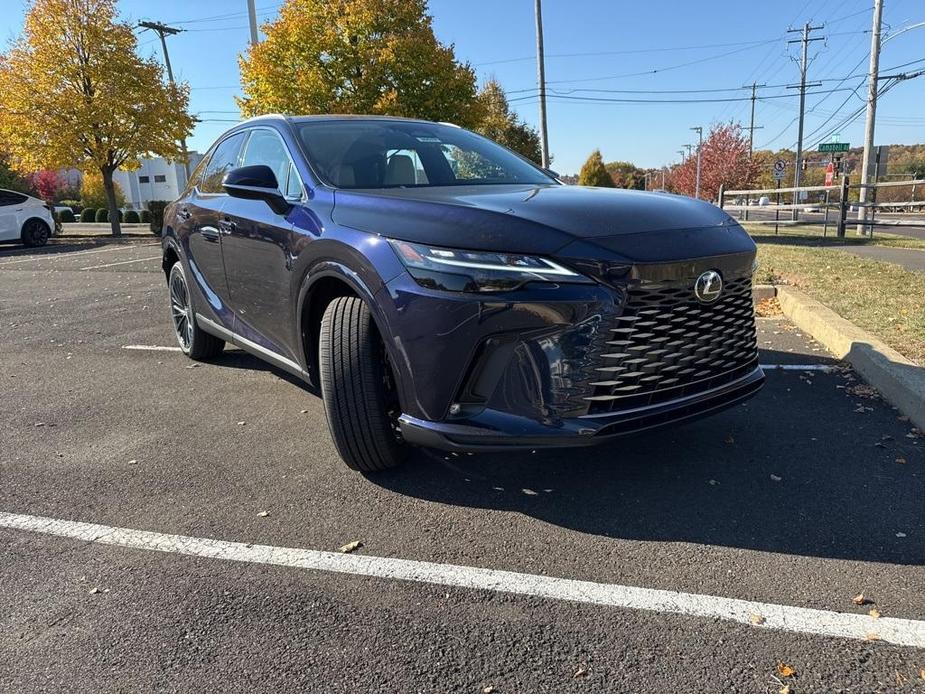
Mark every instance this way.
x=808 y=495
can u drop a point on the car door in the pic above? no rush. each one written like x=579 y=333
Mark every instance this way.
x=257 y=248
x=11 y=205
x=199 y=215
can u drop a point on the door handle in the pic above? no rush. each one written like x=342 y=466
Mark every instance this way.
x=209 y=234
x=184 y=214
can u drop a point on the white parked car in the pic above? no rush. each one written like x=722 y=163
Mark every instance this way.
x=25 y=219
x=764 y=201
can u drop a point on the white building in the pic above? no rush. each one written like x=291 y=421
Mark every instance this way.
x=155 y=179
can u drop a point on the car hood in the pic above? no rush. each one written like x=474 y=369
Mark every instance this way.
x=518 y=218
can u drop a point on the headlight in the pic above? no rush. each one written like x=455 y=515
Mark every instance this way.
x=479 y=271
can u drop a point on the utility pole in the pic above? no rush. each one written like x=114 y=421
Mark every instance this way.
x=804 y=64
x=252 y=16
x=871 y=115
x=689 y=150
x=163 y=31
x=681 y=152
x=699 y=132
x=751 y=124
x=541 y=80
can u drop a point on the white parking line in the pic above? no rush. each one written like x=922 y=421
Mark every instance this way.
x=799 y=367
x=122 y=262
x=152 y=348
x=68 y=254
x=904 y=632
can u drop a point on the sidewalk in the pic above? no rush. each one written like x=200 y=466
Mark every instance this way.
x=83 y=230
x=909 y=258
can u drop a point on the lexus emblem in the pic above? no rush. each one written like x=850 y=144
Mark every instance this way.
x=708 y=287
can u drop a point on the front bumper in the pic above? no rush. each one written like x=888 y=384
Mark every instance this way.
x=491 y=430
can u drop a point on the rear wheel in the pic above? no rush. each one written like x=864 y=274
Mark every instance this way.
x=360 y=398
x=195 y=342
x=35 y=233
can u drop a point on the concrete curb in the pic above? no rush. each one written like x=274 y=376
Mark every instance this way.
x=760 y=292
x=899 y=380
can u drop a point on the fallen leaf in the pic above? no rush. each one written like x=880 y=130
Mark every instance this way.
x=874 y=612
x=351 y=547
x=859 y=599
x=488 y=690
x=94 y=590
x=713 y=483
x=132 y=461
x=304 y=411
x=785 y=670
x=872 y=636
x=784 y=690
x=241 y=424
x=730 y=439
x=263 y=514
x=900 y=535
x=901 y=460
x=581 y=671
x=922 y=673
x=775 y=478
x=757 y=619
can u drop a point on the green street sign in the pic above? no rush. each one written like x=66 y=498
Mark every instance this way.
x=833 y=147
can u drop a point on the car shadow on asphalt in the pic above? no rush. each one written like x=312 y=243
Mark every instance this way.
x=797 y=470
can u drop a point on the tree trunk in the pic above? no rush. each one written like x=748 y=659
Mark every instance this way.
x=111 y=204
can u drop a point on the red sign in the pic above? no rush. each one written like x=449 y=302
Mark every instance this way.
x=830 y=174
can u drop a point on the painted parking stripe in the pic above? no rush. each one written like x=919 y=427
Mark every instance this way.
x=903 y=632
x=121 y=262
x=70 y=254
x=152 y=348
x=799 y=367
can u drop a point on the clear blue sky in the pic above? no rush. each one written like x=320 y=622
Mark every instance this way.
x=690 y=45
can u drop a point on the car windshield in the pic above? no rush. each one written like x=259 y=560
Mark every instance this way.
x=398 y=154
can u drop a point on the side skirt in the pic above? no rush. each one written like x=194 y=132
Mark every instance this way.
x=258 y=351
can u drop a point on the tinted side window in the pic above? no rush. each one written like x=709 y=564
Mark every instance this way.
x=222 y=161
x=265 y=147
x=8 y=197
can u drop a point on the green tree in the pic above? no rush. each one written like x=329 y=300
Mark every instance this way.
x=10 y=179
x=594 y=173
x=498 y=122
x=356 y=56
x=626 y=175
x=73 y=92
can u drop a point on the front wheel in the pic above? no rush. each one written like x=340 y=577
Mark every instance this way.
x=196 y=343
x=358 y=389
x=35 y=233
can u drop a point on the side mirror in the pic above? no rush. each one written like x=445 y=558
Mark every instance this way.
x=257 y=182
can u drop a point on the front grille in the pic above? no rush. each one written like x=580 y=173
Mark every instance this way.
x=667 y=345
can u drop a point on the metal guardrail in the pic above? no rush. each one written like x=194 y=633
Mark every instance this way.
x=866 y=218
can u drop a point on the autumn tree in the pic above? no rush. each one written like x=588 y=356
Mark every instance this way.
x=46 y=183
x=498 y=122
x=356 y=56
x=724 y=161
x=626 y=175
x=594 y=173
x=73 y=92
x=10 y=179
x=93 y=194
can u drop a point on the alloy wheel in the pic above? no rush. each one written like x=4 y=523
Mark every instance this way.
x=180 y=311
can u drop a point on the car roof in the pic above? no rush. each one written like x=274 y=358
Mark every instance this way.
x=293 y=119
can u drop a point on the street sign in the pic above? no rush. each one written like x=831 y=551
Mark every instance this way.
x=830 y=173
x=780 y=168
x=833 y=147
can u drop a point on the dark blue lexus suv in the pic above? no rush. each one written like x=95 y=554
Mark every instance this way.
x=442 y=291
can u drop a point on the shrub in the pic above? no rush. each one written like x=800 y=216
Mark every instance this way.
x=73 y=204
x=131 y=217
x=145 y=217
x=156 y=208
x=67 y=216
x=88 y=214
x=102 y=215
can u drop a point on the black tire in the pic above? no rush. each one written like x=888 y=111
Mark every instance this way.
x=196 y=343
x=358 y=389
x=35 y=233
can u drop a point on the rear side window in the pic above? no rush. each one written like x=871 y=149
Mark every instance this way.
x=223 y=160
x=8 y=197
